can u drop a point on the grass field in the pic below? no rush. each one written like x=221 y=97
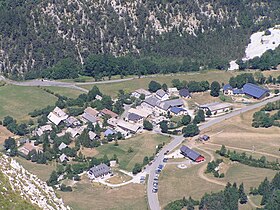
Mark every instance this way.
x=18 y=101
x=142 y=145
x=68 y=92
x=129 y=86
x=87 y=196
x=43 y=171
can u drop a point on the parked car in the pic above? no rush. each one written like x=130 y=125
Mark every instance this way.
x=155 y=190
x=165 y=160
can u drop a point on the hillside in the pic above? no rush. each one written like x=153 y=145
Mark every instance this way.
x=37 y=34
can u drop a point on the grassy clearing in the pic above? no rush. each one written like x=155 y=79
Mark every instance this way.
x=238 y=132
x=142 y=145
x=68 y=92
x=43 y=171
x=118 y=178
x=4 y=134
x=10 y=199
x=210 y=76
x=86 y=196
x=18 y=101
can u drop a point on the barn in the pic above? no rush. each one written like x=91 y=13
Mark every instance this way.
x=191 y=154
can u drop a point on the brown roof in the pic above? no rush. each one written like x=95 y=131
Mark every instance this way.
x=109 y=112
x=91 y=111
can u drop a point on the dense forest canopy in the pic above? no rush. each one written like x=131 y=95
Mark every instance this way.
x=37 y=35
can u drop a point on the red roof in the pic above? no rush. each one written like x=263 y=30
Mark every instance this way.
x=200 y=159
x=109 y=112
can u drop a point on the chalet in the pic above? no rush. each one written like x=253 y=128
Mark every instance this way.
x=133 y=128
x=62 y=146
x=72 y=122
x=90 y=115
x=41 y=130
x=108 y=112
x=139 y=92
x=162 y=95
x=255 y=91
x=191 y=154
x=134 y=118
x=178 y=111
x=63 y=158
x=57 y=115
x=216 y=107
x=100 y=170
x=227 y=89
x=185 y=93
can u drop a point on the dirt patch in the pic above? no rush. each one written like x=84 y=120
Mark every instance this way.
x=89 y=152
x=4 y=134
x=118 y=178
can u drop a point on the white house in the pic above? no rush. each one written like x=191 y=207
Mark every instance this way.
x=162 y=95
x=57 y=115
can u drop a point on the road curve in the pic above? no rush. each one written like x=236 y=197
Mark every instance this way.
x=177 y=140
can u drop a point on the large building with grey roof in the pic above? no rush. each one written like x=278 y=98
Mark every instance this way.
x=100 y=170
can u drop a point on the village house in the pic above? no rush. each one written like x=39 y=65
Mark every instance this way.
x=108 y=112
x=185 y=93
x=150 y=103
x=100 y=170
x=164 y=106
x=62 y=146
x=227 y=89
x=139 y=92
x=144 y=113
x=109 y=131
x=57 y=115
x=75 y=131
x=90 y=115
x=41 y=130
x=27 y=148
x=132 y=128
x=72 y=122
x=216 y=107
x=92 y=136
x=159 y=119
x=178 y=111
x=162 y=95
x=134 y=118
x=63 y=158
x=191 y=154
x=173 y=91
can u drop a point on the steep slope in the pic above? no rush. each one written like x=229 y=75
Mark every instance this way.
x=37 y=34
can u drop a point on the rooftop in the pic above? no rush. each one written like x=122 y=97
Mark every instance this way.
x=128 y=126
x=160 y=93
x=215 y=106
x=177 y=110
x=134 y=117
x=184 y=92
x=140 y=111
x=193 y=155
x=143 y=91
x=171 y=103
x=254 y=90
x=99 y=170
x=91 y=111
x=153 y=101
x=109 y=112
x=227 y=87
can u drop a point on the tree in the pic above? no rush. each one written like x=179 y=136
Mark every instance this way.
x=208 y=113
x=154 y=86
x=242 y=196
x=137 y=168
x=215 y=89
x=186 y=119
x=7 y=120
x=223 y=151
x=142 y=97
x=163 y=126
x=93 y=93
x=164 y=87
x=10 y=144
x=191 y=130
x=147 y=125
x=145 y=160
x=53 y=179
x=200 y=117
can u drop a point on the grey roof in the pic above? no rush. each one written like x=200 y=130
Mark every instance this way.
x=133 y=117
x=254 y=90
x=238 y=91
x=184 y=92
x=171 y=103
x=227 y=87
x=62 y=146
x=99 y=170
x=153 y=101
x=89 y=117
x=186 y=151
x=160 y=93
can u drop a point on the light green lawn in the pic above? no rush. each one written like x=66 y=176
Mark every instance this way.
x=18 y=101
x=68 y=92
x=142 y=145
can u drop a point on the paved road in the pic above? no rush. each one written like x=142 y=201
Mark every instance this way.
x=177 y=140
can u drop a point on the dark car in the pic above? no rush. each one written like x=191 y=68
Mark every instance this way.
x=165 y=160
x=155 y=190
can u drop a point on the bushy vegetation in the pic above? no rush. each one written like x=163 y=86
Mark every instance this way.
x=212 y=168
x=248 y=160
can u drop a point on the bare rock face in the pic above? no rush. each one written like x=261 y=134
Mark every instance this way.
x=30 y=186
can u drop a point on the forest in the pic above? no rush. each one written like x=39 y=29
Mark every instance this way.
x=150 y=36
